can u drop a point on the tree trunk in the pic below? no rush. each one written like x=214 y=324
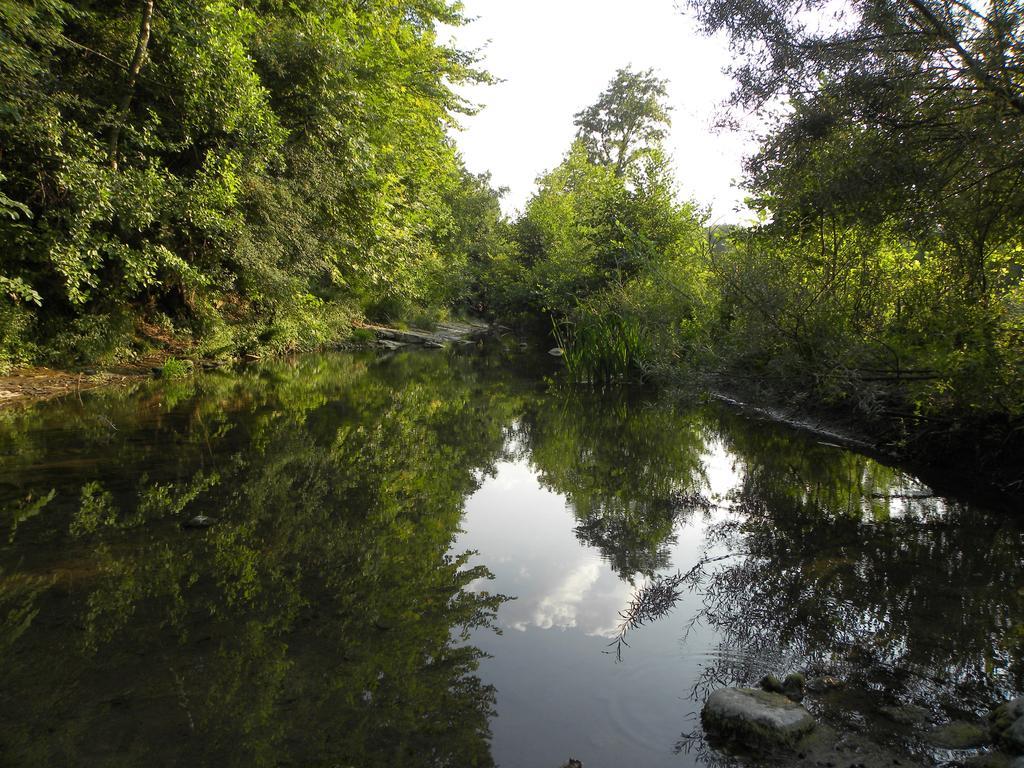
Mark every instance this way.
x=138 y=60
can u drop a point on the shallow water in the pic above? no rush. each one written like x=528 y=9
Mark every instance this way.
x=329 y=616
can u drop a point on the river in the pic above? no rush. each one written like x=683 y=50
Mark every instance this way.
x=424 y=559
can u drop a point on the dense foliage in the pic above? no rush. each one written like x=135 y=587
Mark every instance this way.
x=244 y=177
x=887 y=272
x=251 y=174
x=605 y=249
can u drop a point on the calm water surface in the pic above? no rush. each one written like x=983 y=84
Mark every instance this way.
x=421 y=560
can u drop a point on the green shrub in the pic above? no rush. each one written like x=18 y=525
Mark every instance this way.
x=602 y=347
x=176 y=369
x=100 y=338
x=363 y=336
x=16 y=349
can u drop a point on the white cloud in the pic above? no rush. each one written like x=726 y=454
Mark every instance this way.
x=559 y=608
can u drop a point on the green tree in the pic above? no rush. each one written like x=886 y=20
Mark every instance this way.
x=628 y=121
x=886 y=274
x=247 y=174
x=606 y=249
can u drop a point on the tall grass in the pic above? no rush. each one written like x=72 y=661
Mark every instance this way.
x=599 y=348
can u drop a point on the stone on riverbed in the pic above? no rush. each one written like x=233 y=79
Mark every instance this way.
x=1008 y=725
x=823 y=684
x=452 y=332
x=905 y=714
x=994 y=760
x=755 y=717
x=959 y=735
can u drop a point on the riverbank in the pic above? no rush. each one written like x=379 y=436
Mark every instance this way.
x=29 y=385
x=955 y=462
x=955 y=459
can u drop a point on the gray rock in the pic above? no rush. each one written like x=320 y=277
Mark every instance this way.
x=823 y=684
x=771 y=683
x=755 y=717
x=990 y=760
x=1008 y=725
x=451 y=331
x=907 y=714
x=1013 y=737
x=793 y=686
x=1004 y=715
x=959 y=735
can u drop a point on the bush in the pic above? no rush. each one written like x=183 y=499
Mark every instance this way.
x=15 y=324
x=176 y=369
x=101 y=338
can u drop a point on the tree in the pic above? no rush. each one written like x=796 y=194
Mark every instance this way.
x=923 y=102
x=627 y=121
x=607 y=252
x=887 y=272
x=254 y=174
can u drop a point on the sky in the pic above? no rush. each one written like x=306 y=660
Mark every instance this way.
x=554 y=58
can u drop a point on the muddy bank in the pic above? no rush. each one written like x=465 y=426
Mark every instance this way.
x=29 y=385
x=34 y=384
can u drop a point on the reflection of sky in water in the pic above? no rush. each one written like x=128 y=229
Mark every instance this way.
x=837 y=559
x=560 y=694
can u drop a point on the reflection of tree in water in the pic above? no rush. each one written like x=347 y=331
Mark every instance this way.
x=844 y=565
x=630 y=468
x=321 y=621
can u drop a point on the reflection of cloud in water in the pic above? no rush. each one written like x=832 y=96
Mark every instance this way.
x=527 y=538
x=482 y=584
x=559 y=608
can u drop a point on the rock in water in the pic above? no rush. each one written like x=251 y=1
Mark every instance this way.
x=756 y=718
x=793 y=686
x=906 y=714
x=1013 y=737
x=1008 y=725
x=823 y=684
x=771 y=683
x=959 y=735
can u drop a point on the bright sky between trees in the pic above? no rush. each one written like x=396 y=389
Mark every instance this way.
x=556 y=56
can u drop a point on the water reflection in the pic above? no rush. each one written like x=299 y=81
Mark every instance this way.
x=329 y=615
x=857 y=567
x=829 y=562
x=630 y=467
x=321 y=620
